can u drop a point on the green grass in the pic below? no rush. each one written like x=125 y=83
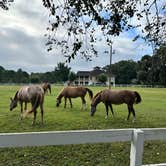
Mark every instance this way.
x=150 y=113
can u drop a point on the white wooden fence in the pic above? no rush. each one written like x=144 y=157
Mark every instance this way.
x=136 y=136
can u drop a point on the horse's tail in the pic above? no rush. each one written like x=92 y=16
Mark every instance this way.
x=35 y=105
x=90 y=93
x=138 y=97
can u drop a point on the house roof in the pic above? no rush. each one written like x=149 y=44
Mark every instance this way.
x=90 y=73
x=83 y=73
x=96 y=72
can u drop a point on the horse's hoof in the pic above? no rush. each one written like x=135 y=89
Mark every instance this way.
x=42 y=124
x=33 y=123
x=21 y=118
x=133 y=120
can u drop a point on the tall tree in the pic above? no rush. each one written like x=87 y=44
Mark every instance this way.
x=22 y=76
x=124 y=71
x=144 y=68
x=161 y=53
x=102 y=78
x=62 y=72
x=72 y=76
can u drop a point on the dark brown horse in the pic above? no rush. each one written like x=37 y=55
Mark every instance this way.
x=46 y=86
x=109 y=97
x=73 y=92
x=29 y=94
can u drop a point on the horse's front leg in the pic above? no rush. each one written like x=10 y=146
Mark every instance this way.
x=25 y=107
x=70 y=103
x=106 y=107
x=133 y=112
x=65 y=102
x=129 y=111
x=111 y=109
x=21 y=104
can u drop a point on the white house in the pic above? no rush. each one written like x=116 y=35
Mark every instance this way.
x=92 y=78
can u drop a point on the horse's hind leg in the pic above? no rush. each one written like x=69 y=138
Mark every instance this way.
x=83 y=102
x=34 y=119
x=106 y=107
x=70 y=103
x=42 y=112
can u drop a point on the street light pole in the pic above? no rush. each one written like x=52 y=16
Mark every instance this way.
x=110 y=66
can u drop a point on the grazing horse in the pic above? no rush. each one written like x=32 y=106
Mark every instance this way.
x=46 y=86
x=109 y=97
x=29 y=94
x=73 y=92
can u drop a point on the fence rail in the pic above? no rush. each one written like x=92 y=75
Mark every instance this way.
x=136 y=136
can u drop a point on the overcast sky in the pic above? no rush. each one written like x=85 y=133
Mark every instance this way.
x=22 y=42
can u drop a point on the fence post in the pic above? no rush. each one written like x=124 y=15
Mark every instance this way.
x=137 y=143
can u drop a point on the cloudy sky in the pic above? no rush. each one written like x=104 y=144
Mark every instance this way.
x=22 y=42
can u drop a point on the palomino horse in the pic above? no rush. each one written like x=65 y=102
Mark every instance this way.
x=46 y=86
x=109 y=97
x=73 y=92
x=29 y=94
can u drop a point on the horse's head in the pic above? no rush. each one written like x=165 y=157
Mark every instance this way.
x=96 y=100
x=13 y=104
x=93 y=110
x=58 y=101
x=46 y=86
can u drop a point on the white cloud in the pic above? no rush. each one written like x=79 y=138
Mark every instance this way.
x=22 y=42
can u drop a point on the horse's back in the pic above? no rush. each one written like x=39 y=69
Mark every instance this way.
x=118 y=96
x=74 y=92
x=27 y=93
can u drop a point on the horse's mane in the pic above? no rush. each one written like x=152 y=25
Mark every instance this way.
x=60 y=95
x=97 y=94
x=15 y=96
x=96 y=98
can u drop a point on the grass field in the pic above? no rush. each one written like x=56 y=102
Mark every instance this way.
x=150 y=113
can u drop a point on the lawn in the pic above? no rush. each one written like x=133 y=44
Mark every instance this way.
x=150 y=113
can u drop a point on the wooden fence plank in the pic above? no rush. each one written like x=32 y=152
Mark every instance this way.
x=136 y=136
x=64 y=137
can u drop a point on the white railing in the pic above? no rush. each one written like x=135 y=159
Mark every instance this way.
x=136 y=136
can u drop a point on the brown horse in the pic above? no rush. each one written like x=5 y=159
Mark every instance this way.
x=73 y=92
x=29 y=94
x=46 y=86
x=109 y=97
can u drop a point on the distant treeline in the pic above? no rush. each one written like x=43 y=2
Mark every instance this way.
x=150 y=70
x=61 y=73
